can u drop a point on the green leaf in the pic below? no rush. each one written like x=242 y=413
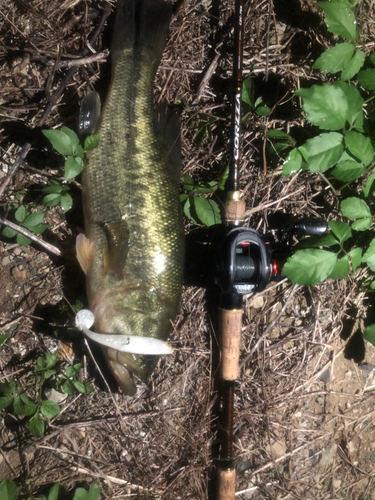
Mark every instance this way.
x=3 y=338
x=325 y=106
x=360 y=146
x=354 y=65
x=309 y=267
x=207 y=210
x=347 y=169
x=8 y=490
x=340 y=19
x=355 y=257
x=336 y=58
x=355 y=208
x=73 y=167
x=354 y=115
x=39 y=228
x=92 y=142
x=187 y=182
x=372 y=58
x=5 y=402
x=362 y=224
x=92 y=494
x=60 y=141
x=183 y=197
x=223 y=179
x=20 y=214
x=82 y=386
x=48 y=374
x=36 y=425
x=33 y=220
x=341 y=269
x=8 y=388
x=366 y=79
x=293 y=163
x=49 y=409
x=341 y=230
x=369 y=334
x=54 y=492
x=51 y=359
x=367 y=188
x=28 y=407
x=53 y=188
x=40 y=364
x=51 y=200
x=322 y=152
x=73 y=370
x=204 y=188
x=263 y=111
x=8 y=232
x=278 y=134
x=325 y=240
x=248 y=92
x=23 y=406
x=22 y=240
x=72 y=135
x=369 y=256
x=66 y=201
x=68 y=387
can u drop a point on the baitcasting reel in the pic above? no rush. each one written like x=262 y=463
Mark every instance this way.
x=246 y=262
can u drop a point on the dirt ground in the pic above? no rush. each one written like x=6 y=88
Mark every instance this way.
x=304 y=402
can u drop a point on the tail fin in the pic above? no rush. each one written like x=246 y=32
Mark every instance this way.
x=142 y=24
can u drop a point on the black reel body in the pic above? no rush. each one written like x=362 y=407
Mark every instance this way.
x=246 y=262
x=243 y=263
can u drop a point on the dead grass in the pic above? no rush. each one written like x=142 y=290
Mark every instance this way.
x=303 y=411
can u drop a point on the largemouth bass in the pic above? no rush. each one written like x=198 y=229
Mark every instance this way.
x=133 y=248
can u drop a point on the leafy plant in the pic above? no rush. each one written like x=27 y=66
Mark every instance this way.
x=248 y=97
x=66 y=142
x=9 y=491
x=30 y=221
x=343 y=150
x=196 y=207
x=38 y=409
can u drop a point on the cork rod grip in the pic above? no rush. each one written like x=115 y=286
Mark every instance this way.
x=234 y=212
x=226 y=484
x=230 y=325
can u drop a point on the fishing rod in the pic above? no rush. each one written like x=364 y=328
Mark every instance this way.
x=245 y=262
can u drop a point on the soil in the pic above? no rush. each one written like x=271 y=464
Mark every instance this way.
x=304 y=401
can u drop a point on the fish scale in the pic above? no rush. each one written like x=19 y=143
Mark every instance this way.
x=130 y=187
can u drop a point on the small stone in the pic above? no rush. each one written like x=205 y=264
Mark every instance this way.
x=55 y=396
x=257 y=302
x=325 y=377
x=366 y=367
x=6 y=260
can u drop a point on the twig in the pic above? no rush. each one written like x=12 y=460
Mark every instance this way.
x=31 y=236
x=98 y=57
x=267 y=205
x=210 y=71
x=20 y=158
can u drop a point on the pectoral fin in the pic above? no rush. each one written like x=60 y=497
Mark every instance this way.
x=85 y=252
x=117 y=234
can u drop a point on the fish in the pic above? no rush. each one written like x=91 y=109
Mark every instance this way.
x=132 y=250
